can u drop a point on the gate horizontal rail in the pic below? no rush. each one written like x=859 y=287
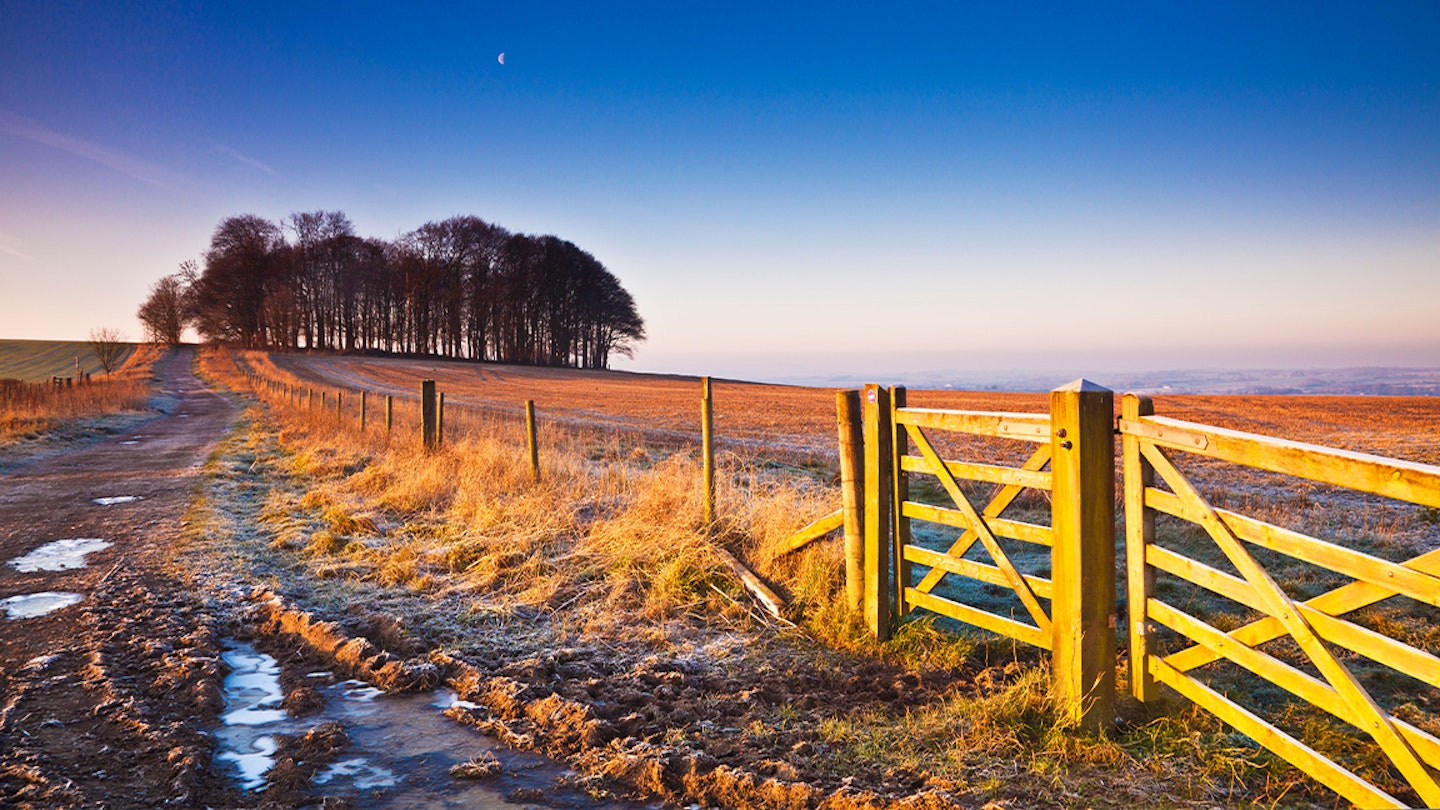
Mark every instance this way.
x=1314 y=625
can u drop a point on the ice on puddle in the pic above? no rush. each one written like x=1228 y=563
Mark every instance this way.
x=253 y=764
x=131 y=441
x=59 y=555
x=111 y=501
x=30 y=605
x=445 y=699
x=363 y=775
x=359 y=690
x=254 y=683
x=253 y=717
x=252 y=695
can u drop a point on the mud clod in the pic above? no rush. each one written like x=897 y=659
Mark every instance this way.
x=483 y=766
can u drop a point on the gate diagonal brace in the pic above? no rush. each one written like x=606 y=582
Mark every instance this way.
x=1366 y=714
x=978 y=525
x=996 y=507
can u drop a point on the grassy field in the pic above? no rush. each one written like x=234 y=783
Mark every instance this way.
x=802 y=420
x=35 y=414
x=37 y=360
x=647 y=499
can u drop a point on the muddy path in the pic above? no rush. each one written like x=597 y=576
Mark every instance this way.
x=106 y=698
x=122 y=684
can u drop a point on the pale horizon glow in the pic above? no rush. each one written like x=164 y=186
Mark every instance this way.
x=786 y=193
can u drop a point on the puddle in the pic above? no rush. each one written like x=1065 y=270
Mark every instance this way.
x=111 y=501
x=365 y=775
x=60 y=555
x=401 y=746
x=30 y=605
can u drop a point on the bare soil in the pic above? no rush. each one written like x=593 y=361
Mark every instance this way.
x=107 y=702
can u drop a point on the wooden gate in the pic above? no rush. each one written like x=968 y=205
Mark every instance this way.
x=1329 y=645
x=1075 y=440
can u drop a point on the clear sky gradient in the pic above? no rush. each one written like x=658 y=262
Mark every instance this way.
x=787 y=189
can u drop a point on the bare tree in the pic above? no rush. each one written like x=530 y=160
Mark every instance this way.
x=163 y=313
x=109 y=347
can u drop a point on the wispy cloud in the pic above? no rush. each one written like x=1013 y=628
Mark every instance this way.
x=248 y=161
x=10 y=246
x=144 y=171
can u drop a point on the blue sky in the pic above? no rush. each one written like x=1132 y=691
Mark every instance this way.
x=787 y=189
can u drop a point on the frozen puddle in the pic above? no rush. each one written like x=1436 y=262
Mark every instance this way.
x=131 y=441
x=401 y=747
x=111 y=501
x=60 y=555
x=364 y=774
x=30 y=605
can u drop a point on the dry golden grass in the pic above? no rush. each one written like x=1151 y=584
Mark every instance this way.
x=613 y=531
x=29 y=409
x=612 y=535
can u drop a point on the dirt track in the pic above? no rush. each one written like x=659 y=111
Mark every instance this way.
x=105 y=700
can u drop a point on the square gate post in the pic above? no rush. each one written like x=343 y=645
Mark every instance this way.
x=1082 y=441
x=878 y=583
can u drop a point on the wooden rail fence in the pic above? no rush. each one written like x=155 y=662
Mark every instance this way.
x=1303 y=646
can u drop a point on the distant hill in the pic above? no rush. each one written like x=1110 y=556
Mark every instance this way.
x=1358 y=381
x=36 y=360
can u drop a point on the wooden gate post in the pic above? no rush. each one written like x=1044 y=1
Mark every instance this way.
x=878 y=433
x=530 y=440
x=707 y=440
x=1082 y=442
x=389 y=415
x=339 y=406
x=363 y=397
x=852 y=476
x=427 y=414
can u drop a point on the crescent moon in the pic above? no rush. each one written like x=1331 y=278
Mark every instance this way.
x=502 y=57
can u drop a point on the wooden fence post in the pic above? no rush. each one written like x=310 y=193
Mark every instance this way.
x=899 y=494
x=707 y=440
x=364 y=395
x=339 y=409
x=877 y=510
x=1139 y=534
x=309 y=398
x=852 y=471
x=440 y=420
x=1082 y=441
x=530 y=440
x=427 y=414
x=389 y=415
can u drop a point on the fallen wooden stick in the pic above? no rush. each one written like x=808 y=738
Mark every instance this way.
x=768 y=599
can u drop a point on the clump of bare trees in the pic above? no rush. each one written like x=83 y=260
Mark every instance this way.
x=458 y=288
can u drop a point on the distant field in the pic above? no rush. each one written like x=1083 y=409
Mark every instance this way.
x=36 y=360
x=802 y=418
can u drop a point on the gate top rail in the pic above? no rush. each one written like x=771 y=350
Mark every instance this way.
x=1403 y=480
x=1030 y=427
